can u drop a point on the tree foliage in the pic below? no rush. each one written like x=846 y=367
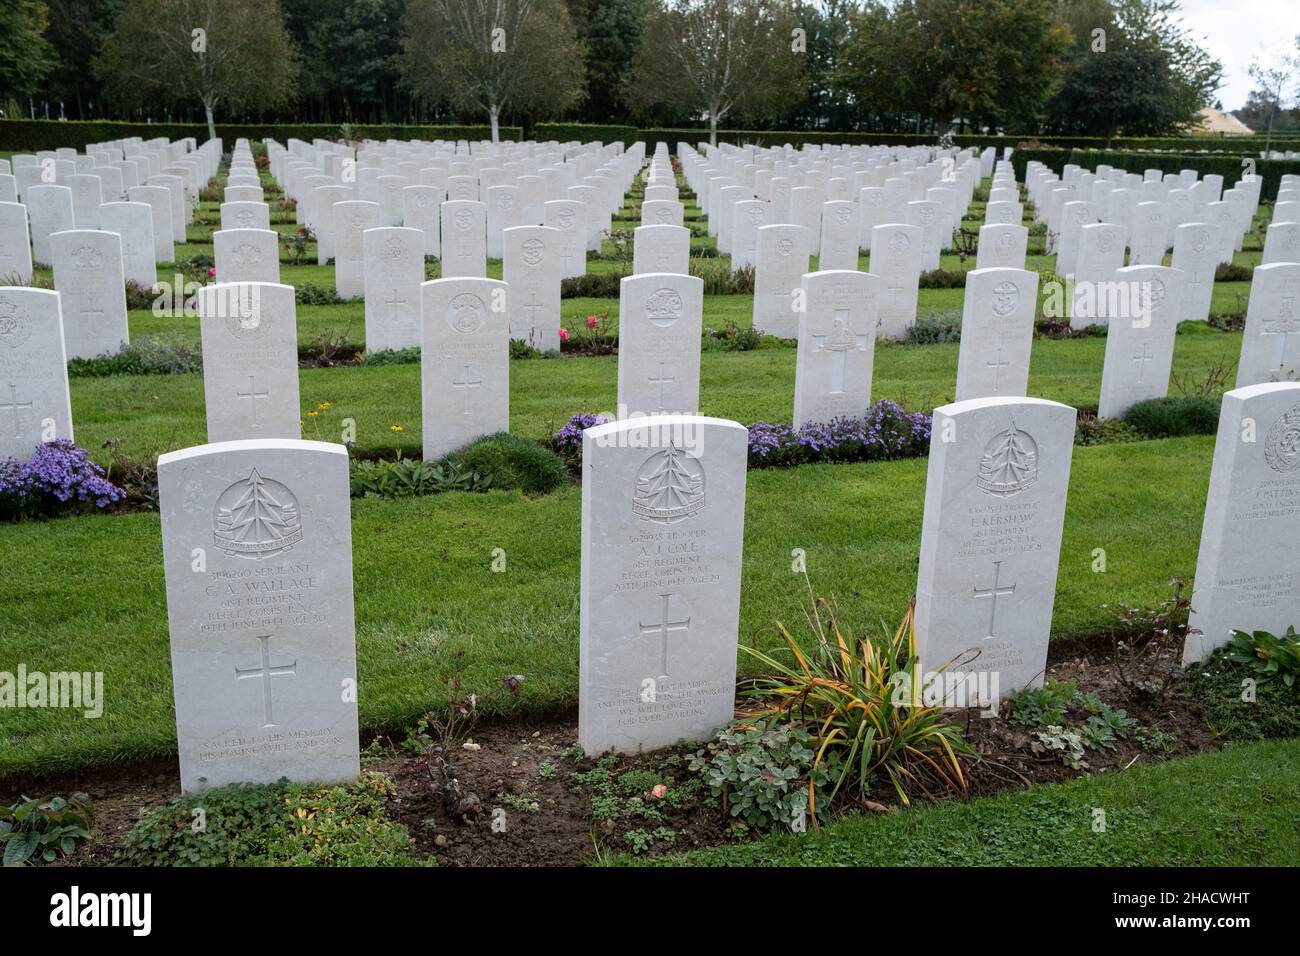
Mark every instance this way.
x=346 y=51
x=718 y=58
x=26 y=56
x=492 y=56
x=1142 y=75
x=242 y=60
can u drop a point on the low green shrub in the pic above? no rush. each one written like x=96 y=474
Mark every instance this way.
x=512 y=461
x=308 y=293
x=1238 y=705
x=942 y=279
x=279 y=824
x=409 y=356
x=145 y=355
x=935 y=328
x=593 y=285
x=1174 y=416
x=1268 y=656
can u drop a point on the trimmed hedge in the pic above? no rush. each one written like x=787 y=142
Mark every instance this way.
x=1249 y=145
x=584 y=133
x=30 y=135
x=1226 y=165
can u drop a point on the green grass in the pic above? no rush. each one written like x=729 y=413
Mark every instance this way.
x=1235 y=807
x=87 y=593
x=156 y=413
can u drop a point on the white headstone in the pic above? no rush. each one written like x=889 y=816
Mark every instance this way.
x=841 y=225
x=997 y=332
x=133 y=222
x=245 y=215
x=257 y=553
x=1270 y=345
x=34 y=398
x=661 y=249
x=531 y=267
x=991 y=539
x=1246 y=574
x=50 y=210
x=1140 y=337
x=465 y=362
x=570 y=217
x=464 y=239
x=1282 y=243
x=1196 y=256
x=394 y=271
x=660 y=322
x=351 y=220
x=896 y=258
x=159 y=200
x=837 y=342
x=246 y=255
x=15 y=247
x=250 y=360
x=1002 y=246
x=783 y=252
x=663 y=511
x=88 y=278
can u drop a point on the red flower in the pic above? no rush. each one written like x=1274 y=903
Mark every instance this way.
x=592 y=321
x=212 y=273
x=564 y=335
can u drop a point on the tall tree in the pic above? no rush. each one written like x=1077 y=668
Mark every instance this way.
x=492 y=56
x=994 y=63
x=76 y=30
x=1132 y=67
x=233 y=54
x=347 y=51
x=25 y=55
x=1276 y=79
x=720 y=58
x=610 y=31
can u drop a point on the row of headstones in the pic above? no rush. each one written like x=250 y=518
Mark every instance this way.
x=269 y=690
x=839 y=197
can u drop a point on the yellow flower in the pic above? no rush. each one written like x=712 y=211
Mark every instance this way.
x=311 y=414
x=395 y=428
x=324 y=406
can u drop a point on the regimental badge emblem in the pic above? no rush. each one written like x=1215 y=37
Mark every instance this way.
x=664 y=307
x=15 y=323
x=1106 y=241
x=755 y=215
x=246 y=254
x=1282 y=446
x=669 y=487
x=533 y=251
x=664 y=217
x=1006 y=296
x=1150 y=294
x=242 y=317
x=394 y=249
x=505 y=201
x=256 y=518
x=785 y=247
x=357 y=220
x=244 y=219
x=926 y=215
x=1201 y=240
x=842 y=215
x=1005 y=243
x=87 y=257
x=899 y=243
x=464 y=219
x=1009 y=464
x=466 y=313
x=565 y=218
x=1004 y=216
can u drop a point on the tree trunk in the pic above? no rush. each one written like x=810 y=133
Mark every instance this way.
x=1268 y=136
x=494 y=115
x=713 y=127
x=212 y=126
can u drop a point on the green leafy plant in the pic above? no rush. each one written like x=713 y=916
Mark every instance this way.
x=44 y=828
x=762 y=771
x=864 y=701
x=1175 y=416
x=1267 y=656
x=411 y=478
x=1067 y=743
x=935 y=328
x=1042 y=706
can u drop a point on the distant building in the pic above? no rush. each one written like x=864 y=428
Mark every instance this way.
x=1217 y=123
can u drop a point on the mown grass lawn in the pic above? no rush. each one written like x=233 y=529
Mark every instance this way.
x=87 y=593
x=156 y=413
x=1234 y=807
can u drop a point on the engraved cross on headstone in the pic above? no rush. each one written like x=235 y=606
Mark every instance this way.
x=532 y=307
x=839 y=342
x=12 y=406
x=994 y=592
x=661 y=381
x=266 y=672
x=253 y=395
x=663 y=628
x=1142 y=358
x=998 y=364
x=466 y=383
x=393 y=301
x=1282 y=328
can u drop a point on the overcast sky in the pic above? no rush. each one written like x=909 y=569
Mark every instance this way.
x=1236 y=31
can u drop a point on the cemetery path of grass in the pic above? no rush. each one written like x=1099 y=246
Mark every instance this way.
x=1234 y=807
x=86 y=593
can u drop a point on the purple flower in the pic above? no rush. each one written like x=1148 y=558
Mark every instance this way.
x=58 y=475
